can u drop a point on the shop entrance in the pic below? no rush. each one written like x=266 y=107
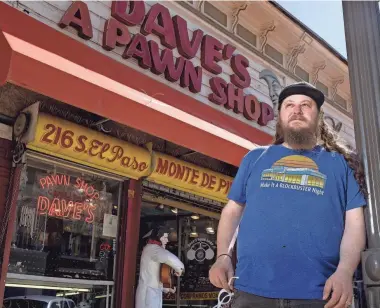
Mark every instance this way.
x=192 y=238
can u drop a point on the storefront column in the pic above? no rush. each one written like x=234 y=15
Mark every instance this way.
x=129 y=238
x=362 y=26
x=9 y=188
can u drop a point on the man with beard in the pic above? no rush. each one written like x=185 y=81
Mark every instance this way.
x=299 y=207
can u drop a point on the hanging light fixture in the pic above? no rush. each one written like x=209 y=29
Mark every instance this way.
x=174 y=210
x=195 y=216
x=194 y=232
x=210 y=227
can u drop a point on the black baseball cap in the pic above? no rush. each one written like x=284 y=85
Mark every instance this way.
x=303 y=88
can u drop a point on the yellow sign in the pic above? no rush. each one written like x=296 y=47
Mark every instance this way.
x=190 y=178
x=72 y=142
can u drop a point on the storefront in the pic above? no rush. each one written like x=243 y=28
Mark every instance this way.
x=145 y=112
x=64 y=246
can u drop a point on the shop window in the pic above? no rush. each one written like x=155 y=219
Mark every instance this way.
x=245 y=34
x=301 y=73
x=192 y=239
x=274 y=54
x=323 y=88
x=215 y=13
x=31 y=297
x=66 y=224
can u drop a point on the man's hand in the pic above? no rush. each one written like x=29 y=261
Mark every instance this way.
x=340 y=284
x=221 y=272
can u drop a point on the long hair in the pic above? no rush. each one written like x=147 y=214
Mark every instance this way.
x=330 y=140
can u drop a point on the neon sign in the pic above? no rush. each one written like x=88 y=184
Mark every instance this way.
x=68 y=209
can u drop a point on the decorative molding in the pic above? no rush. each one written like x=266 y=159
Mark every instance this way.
x=241 y=6
x=335 y=83
x=200 y=5
x=296 y=50
x=317 y=68
x=269 y=27
x=293 y=56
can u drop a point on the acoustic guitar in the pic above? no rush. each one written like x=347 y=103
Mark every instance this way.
x=166 y=276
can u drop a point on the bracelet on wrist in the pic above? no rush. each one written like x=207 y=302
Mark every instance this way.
x=224 y=254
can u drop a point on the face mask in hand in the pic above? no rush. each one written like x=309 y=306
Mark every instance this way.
x=224 y=300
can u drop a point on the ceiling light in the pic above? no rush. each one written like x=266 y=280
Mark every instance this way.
x=66 y=294
x=174 y=210
x=210 y=230
x=210 y=227
x=30 y=286
x=194 y=232
x=195 y=216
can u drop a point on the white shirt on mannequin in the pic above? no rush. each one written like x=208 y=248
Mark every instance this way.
x=150 y=288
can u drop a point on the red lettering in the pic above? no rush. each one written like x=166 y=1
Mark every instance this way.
x=78 y=183
x=135 y=14
x=55 y=208
x=138 y=48
x=117 y=152
x=267 y=114
x=162 y=166
x=43 y=182
x=49 y=182
x=252 y=110
x=239 y=65
x=96 y=195
x=222 y=185
x=159 y=22
x=78 y=17
x=218 y=95
x=188 y=171
x=90 y=191
x=43 y=204
x=82 y=146
x=57 y=179
x=235 y=99
x=165 y=63
x=91 y=216
x=210 y=54
x=115 y=34
x=104 y=149
x=212 y=182
x=191 y=77
x=95 y=145
x=78 y=210
x=185 y=47
x=194 y=177
x=180 y=172
x=205 y=180
x=172 y=169
x=67 y=208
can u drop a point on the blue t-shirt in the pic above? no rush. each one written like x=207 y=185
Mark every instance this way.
x=292 y=225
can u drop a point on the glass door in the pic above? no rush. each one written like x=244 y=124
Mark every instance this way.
x=192 y=239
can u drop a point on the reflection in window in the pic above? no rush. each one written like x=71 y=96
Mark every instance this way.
x=66 y=224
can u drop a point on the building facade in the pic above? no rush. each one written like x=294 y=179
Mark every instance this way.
x=118 y=117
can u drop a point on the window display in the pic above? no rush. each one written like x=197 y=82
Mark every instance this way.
x=66 y=224
x=192 y=238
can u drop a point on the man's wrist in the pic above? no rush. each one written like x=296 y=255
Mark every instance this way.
x=225 y=255
x=346 y=269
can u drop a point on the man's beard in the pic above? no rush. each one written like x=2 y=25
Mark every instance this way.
x=300 y=137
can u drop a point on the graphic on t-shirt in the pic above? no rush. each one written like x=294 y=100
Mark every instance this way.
x=295 y=169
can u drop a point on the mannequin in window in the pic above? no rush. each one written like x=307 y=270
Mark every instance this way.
x=150 y=288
